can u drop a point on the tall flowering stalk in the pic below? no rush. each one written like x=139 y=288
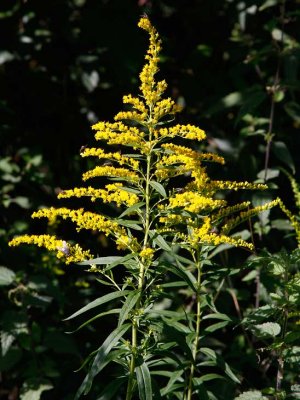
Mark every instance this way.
x=158 y=216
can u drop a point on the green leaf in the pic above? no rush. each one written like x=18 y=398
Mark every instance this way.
x=131 y=209
x=215 y=327
x=7 y=340
x=100 y=359
x=220 y=316
x=32 y=391
x=7 y=276
x=110 y=391
x=218 y=360
x=159 y=188
x=113 y=311
x=283 y=154
x=251 y=395
x=160 y=242
x=267 y=329
x=144 y=381
x=130 y=302
x=101 y=300
x=129 y=224
x=271 y=173
x=102 y=260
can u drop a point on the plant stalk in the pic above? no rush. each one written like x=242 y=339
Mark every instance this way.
x=197 y=331
x=130 y=385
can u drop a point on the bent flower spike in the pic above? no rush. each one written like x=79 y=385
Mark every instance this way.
x=154 y=157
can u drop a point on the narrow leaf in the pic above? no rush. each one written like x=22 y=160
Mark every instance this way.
x=100 y=359
x=159 y=188
x=130 y=302
x=131 y=209
x=102 y=260
x=144 y=381
x=101 y=300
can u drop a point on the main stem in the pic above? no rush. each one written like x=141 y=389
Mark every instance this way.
x=196 y=341
x=130 y=386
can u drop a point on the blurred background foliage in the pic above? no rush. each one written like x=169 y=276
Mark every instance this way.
x=234 y=66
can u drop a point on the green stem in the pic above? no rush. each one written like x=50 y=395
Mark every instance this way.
x=130 y=386
x=197 y=336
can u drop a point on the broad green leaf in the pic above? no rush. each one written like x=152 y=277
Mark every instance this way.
x=159 y=188
x=7 y=276
x=7 y=340
x=101 y=300
x=30 y=392
x=283 y=154
x=144 y=381
x=100 y=359
x=131 y=209
x=251 y=395
x=271 y=173
x=130 y=302
x=267 y=329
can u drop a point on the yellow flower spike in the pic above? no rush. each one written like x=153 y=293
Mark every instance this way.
x=185 y=131
x=151 y=89
x=196 y=155
x=232 y=185
x=244 y=215
x=195 y=202
x=83 y=219
x=71 y=253
x=136 y=103
x=119 y=133
x=294 y=221
x=109 y=171
x=118 y=157
x=112 y=193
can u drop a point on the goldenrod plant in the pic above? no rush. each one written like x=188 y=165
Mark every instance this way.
x=169 y=220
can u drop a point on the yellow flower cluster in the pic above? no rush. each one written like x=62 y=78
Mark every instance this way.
x=196 y=155
x=136 y=103
x=184 y=131
x=224 y=212
x=294 y=221
x=244 y=215
x=164 y=107
x=194 y=202
x=131 y=115
x=147 y=252
x=112 y=193
x=118 y=133
x=122 y=173
x=121 y=159
x=232 y=185
x=205 y=235
x=83 y=219
x=71 y=253
x=151 y=89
